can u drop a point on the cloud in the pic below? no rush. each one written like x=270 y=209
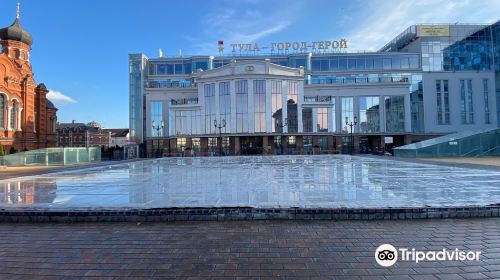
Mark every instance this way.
x=58 y=97
x=385 y=19
x=241 y=25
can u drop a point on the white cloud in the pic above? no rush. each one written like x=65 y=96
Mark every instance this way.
x=387 y=18
x=241 y=26
x=58 y=97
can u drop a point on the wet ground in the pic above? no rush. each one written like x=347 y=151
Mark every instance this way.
x=327 y=181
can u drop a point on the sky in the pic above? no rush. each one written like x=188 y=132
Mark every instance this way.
x=80 y=47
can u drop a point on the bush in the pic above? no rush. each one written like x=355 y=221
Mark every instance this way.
x=2 y=153
x=12 y=150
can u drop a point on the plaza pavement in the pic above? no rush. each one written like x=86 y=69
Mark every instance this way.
x=244 y=249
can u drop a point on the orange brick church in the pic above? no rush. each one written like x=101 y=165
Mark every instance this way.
x=27 y=117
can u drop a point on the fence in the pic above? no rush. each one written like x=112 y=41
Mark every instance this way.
x=53 y=156
x=484 y=142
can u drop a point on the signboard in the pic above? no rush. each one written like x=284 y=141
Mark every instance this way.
x=388 y=140
x=433 y=30
x=314 y=46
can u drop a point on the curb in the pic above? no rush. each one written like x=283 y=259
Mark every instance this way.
x=244 y=213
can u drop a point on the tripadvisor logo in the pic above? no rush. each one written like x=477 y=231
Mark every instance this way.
x=386 y=255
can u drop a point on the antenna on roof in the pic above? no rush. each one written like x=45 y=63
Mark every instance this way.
x=17 y=10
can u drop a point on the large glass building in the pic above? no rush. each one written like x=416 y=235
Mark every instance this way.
x=429 y=81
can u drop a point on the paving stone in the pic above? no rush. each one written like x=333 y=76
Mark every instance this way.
x=243 y=249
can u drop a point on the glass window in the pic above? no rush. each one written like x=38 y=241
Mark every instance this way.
x=178 y=69
x=342 y=63
x=467 y=110
x=201 y=65
x=351 y=63
x=369 y=114
x=170 y=69
x=297 y=62
x=181 y=145
x=161 y=69
x=225 y=105
x=322 y=120
x=259 y=100
x=334 y=63
x=347 y=112
x=209 y=93
x=241 y=105
x=13 y=115
x=292 y=118
x=315 y=64
x=276 y=94
x=387 y=63
x=307 y=120
x=187 y=68
x=369 y=62
x=156 y=118
x=486 y=102
x=394 y=113
x=377 y=62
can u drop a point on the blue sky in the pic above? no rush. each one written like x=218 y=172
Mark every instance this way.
x=81 y=47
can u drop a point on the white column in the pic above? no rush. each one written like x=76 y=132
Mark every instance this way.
x=269 y=108
x=217 y=102
x=407 y=113
x=300 y=99
x=284 y=99
x=251 y=117
x=232 y=92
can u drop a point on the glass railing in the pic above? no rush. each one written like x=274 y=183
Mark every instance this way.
x=184 y=101
x=484 y=142
x=53 y=156
x=318 y=99
x=169 y=84
x=319 y=80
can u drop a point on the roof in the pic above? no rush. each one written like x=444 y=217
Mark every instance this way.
x=16 y=33
x=74 y=126
x=117 y=132
x=50 y=105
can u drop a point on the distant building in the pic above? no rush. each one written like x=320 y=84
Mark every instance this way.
x=27 y=118
x=118 y=136
x=81 y=135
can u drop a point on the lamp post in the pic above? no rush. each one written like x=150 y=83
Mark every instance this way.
x=158 y=128
x=281 y=126
x=351 y=124
x=220 y=126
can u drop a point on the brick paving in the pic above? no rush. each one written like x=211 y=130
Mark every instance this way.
x=244 y=249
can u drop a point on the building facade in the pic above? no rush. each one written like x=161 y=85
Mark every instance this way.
x=118 y=137
x=429 y=81
x=76 y=134
x=27 y=117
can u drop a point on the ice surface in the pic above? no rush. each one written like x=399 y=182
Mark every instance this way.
x=327 y=181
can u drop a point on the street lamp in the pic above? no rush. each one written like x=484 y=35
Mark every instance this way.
x=351 y=124
x=158 y=128
x=281 y=126
x=220 y=126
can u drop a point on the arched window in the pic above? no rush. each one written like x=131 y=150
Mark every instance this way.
x=13 y=114
x=2 y=110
